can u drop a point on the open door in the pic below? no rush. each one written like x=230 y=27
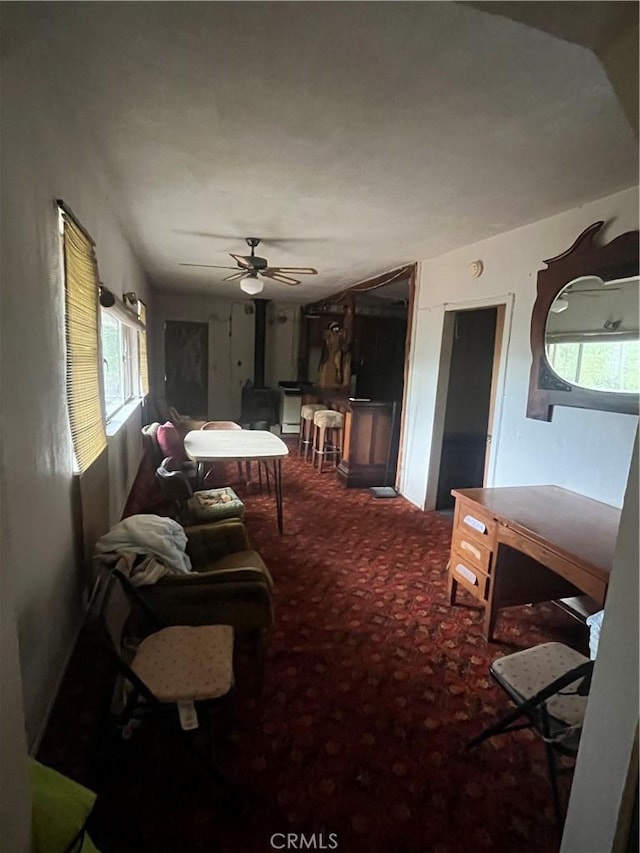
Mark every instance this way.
x=470 y=400
x=186 y=367
x=497 y=349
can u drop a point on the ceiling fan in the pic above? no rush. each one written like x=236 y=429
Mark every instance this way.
x=252 y=269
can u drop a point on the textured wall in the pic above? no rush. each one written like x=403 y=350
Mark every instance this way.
x=44 y=156
x=567 y=451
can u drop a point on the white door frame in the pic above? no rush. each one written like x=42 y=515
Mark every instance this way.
x=435 y=456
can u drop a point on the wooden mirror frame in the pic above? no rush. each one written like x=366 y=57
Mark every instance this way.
x=617 y=259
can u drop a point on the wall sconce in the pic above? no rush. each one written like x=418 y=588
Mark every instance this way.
x=105 y=297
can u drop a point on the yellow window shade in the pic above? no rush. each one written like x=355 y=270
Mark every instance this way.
x=83 y=348
x=142 y=349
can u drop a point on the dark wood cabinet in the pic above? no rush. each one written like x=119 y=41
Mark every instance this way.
x=368 y=454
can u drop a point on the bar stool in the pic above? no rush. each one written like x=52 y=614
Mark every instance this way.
x=327 y=436
x=306 y=426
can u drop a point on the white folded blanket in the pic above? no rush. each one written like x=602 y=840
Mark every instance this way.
x=595 y=626
x=162 y=537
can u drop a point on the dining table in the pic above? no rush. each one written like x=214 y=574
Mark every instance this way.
x=241 y=445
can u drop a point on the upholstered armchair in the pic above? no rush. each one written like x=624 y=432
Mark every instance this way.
x=229 y=583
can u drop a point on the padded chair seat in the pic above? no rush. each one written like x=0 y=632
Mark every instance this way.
x=214 y=505
x=186 y=664
x=531 y=670
x=309 y=409
x=328 y=418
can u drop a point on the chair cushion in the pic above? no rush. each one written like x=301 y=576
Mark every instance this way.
x=184 y=663
x=214 y=505
x=170 y=443
x=309 y=409
x=328 y=418
x=527 y=672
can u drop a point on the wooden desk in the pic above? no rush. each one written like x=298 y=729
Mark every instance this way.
x=524 y=544
x=237 y=445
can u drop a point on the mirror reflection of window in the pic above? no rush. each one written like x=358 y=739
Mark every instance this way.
x=592 y=334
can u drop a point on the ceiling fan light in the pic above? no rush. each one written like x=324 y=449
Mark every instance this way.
x=559 y=304
x=251 y=284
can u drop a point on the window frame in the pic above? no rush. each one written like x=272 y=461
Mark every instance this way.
x=128 y=362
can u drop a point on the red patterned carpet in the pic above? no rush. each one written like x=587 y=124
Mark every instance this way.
x=373 y=686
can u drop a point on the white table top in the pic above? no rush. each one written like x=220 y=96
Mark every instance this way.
x=209 y=445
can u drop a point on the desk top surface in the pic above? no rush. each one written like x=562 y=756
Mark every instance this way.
x=211 y=445
x=571 y=523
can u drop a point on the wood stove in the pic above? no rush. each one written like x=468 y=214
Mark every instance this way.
x=259 y=404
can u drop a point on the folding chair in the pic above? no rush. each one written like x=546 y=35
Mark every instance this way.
x=169 y=667
x=549 y=684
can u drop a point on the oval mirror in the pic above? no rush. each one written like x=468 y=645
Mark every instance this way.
x=591 y=334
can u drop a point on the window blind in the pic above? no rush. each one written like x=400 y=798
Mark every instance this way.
x=142 y=350
x=83 y=348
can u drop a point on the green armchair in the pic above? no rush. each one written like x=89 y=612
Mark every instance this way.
x=229 y=584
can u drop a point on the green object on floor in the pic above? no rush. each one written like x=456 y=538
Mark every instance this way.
x=59 y=810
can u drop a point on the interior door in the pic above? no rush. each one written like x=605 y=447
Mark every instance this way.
x=186 y=365
x=497 y=349
x=469 y=403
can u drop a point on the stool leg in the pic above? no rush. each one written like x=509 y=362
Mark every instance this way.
x=322 y=440
x=313 y=442
x=301 y=436
x=308 y=438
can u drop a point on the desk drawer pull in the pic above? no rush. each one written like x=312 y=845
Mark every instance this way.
x=467 y=574
x=474 y=523
x=467 y=546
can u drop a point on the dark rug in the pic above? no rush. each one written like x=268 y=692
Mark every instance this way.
x=373 y=685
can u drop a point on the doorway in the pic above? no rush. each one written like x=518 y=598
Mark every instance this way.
x=473 y=338
x=186 y=365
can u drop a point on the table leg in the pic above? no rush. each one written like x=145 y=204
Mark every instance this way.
x=277 y=479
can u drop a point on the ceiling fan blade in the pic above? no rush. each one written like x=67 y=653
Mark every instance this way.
x=241 y=261
x=266 y=241
x=296 y=270
x=208 y=266
x=278 y=276
x=234 y=275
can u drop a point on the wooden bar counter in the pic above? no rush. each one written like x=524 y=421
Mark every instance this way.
x=367 y=437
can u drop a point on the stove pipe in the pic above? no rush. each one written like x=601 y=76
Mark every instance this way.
x=259 y=342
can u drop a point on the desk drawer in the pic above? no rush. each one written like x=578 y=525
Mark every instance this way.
x=471 y=550
x=472 y=521
x=468 y=576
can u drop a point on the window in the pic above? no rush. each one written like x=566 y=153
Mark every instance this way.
x=84 y=399
x=598 y=365
x=120 y=362
x=142 y=350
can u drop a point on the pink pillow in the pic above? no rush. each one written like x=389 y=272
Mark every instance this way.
x=170 y=442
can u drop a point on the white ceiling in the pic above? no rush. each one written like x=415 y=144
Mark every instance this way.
x=352 y=137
